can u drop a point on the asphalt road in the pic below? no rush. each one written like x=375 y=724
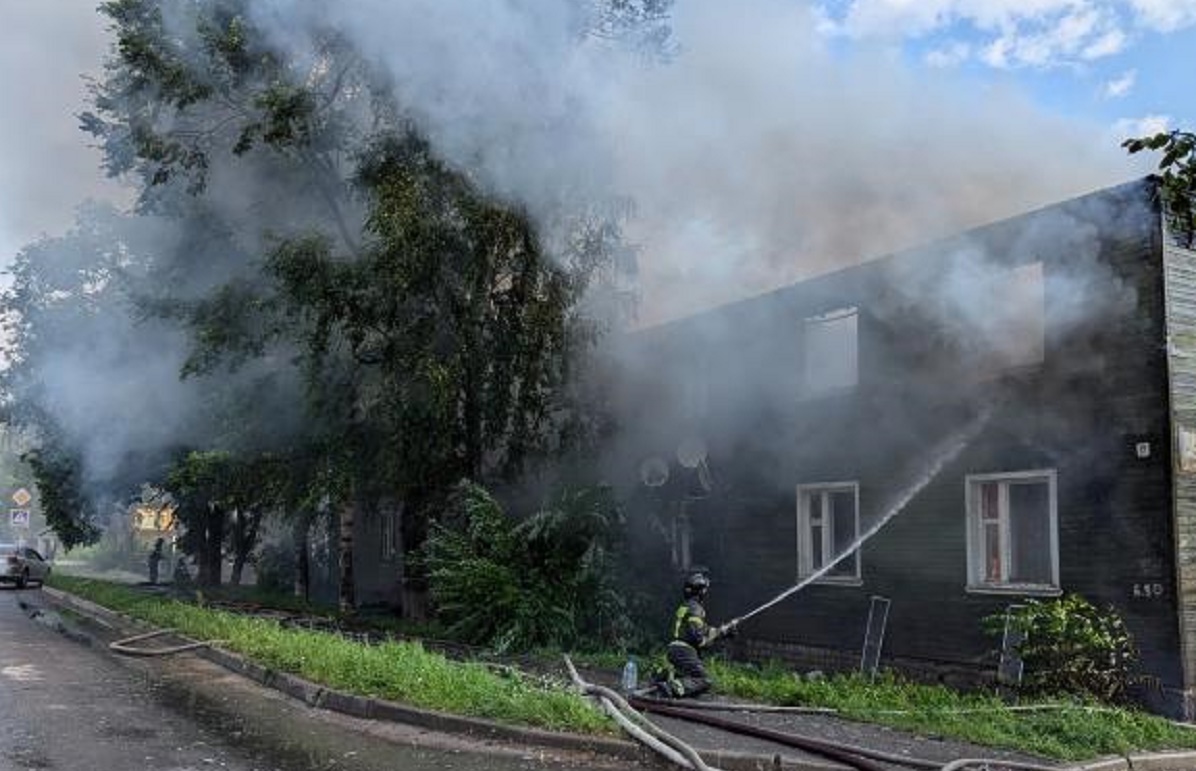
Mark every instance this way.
x=69 y=707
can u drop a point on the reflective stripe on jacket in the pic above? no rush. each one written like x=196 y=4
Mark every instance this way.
x=690 y=627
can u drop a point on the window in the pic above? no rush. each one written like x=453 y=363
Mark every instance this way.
x=1013 y=542
x=1014 y=312
x=828 y=523
x=830 y=356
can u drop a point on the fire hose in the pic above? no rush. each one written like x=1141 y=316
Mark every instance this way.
x=641 y=728
x=623 y=711
x=126 y=648
x=854 y=755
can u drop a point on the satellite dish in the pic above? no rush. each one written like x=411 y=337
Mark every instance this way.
x=654 y=471
x=691 y=453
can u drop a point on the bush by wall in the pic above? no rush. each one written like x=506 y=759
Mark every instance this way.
x=1072 y=647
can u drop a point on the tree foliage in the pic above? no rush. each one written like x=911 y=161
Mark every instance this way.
x=1177 y=168
x=363 y=319
x=548 y=580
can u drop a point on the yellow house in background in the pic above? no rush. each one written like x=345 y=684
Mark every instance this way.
x=156 y=519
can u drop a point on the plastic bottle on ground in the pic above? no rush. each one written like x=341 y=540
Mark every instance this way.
x=630 y=676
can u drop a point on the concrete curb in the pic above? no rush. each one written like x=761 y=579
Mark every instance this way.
x=1154 y=761
x=319 y=697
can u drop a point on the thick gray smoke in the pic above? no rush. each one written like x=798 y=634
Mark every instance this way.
x=754 y=154
x=45 y=166
x=757 y=154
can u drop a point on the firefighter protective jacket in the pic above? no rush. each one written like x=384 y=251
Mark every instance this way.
x=690 y=627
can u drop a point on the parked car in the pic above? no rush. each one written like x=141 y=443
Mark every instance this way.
x=20 y=565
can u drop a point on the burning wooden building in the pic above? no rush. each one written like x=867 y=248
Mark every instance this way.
x=1023 y=394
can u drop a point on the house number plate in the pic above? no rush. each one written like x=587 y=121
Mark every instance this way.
x=1148 y=591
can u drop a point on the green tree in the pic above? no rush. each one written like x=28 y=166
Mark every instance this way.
x=223 y=497
x=318 y=243
x=197 y=105
x=65 y=312
x=1177 y=169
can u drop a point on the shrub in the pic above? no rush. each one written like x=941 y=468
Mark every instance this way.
x=545 y=581
x=1072 y=647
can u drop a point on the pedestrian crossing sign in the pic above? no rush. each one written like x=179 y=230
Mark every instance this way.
x=18 y=517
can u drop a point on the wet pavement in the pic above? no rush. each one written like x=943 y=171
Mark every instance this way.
x=68 y=707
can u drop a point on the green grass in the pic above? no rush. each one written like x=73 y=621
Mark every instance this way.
x=1078 y=732
x=397 y=671
x=407 y=672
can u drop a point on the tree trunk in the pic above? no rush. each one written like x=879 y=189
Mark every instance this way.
x=302 y=557
x=348 y=594
x=210 y=557
x=244 y=539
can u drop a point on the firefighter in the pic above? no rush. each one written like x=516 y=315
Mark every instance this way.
x=690 y=636
x=155 y=557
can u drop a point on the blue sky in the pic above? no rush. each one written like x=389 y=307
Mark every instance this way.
x=1124 y=63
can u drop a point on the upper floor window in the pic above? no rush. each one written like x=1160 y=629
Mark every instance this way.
x=1014 y=328
x=828 y=524
x=830 y=352
x=1013 y=542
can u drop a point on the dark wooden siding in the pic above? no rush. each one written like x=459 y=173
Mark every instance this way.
x=1100 y=391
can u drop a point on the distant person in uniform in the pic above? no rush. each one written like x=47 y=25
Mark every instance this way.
x=690 y=636
x=155 y=559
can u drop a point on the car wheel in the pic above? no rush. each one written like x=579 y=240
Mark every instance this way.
x=23 y=581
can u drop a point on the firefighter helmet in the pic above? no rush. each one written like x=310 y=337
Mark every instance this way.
x=696 y=585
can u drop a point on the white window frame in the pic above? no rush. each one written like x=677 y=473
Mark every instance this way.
x=805 y=553
x=976 y=582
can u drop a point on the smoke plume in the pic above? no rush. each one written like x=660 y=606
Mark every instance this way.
x=755 y=153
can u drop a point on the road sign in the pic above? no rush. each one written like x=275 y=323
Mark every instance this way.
x=18 y=517
x=22 y=497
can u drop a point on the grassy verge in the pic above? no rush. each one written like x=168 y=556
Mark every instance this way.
x=1077 y=732
x=397 y=671
x=406 y=672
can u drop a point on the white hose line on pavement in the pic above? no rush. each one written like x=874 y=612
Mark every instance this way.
x=962 y=763
x=123 y=646
x=646 y=731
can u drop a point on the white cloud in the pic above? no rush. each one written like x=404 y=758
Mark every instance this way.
x=949 y=55
x=1121 y=86
x=1013 y=33
x=1146 y=125
x=1112 y=42
x=1165 y=15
